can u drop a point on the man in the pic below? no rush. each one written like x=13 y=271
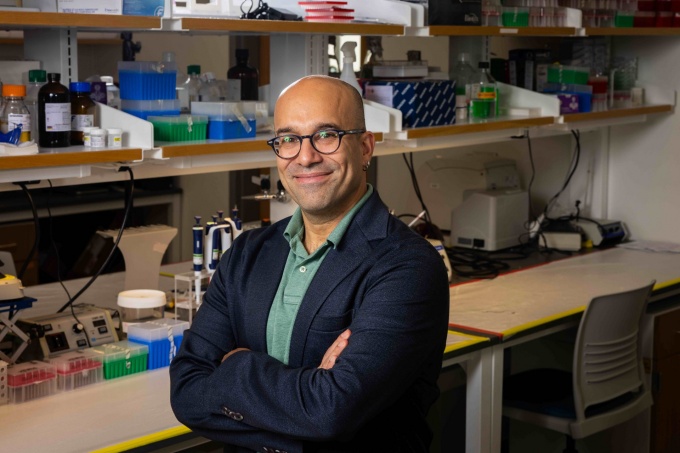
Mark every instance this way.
x=323 y=332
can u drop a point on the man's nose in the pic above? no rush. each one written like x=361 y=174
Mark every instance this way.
x=308 y=154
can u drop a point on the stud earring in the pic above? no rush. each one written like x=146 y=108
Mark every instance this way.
x=366 y=165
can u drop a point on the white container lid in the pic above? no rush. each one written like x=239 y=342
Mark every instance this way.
x=141 y=298
x=98 y=131
x=115 y=131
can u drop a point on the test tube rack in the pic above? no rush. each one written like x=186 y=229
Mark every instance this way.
x=189 y=293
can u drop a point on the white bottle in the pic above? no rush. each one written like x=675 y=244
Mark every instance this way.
x=347 y=74
x=112 y=92
x=210 y=90
x=191 y=88
x=36 y=79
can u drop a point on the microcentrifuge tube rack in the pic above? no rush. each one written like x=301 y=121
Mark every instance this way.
x=187 y=297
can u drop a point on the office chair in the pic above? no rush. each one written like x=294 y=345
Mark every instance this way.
x=7 y=264
x=606 y=385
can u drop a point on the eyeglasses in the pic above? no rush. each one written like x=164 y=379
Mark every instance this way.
x=326 y=141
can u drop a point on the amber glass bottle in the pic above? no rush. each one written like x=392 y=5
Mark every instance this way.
x=82 y=111
x=54 y=113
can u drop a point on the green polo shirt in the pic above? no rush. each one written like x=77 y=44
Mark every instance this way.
x=297 y=275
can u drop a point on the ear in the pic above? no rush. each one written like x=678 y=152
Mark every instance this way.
x=367 y=145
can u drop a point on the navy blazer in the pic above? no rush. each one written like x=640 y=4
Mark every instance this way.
x=383 y=281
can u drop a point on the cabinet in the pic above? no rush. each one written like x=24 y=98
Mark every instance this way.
x=75 y=166
x=665 y=389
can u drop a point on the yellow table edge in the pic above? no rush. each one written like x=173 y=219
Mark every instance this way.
x=145 y=440
x=515 y=330
x=473 y=339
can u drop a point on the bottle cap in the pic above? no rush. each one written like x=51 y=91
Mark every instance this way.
x=242 y=54
x=97 y=131
x=79 y=87
x=114 y=131
x=194 y=69
x=37 y=75
x=14 y=90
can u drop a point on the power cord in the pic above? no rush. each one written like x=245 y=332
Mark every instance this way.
x=115 y=245
x=36 y=223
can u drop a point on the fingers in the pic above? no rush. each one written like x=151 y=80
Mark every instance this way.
x=334 y=351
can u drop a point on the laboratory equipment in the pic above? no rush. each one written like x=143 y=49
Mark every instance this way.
x=602 y=231
x=114 y=138
x=163 y=337
x=143 y=249
x=242 y=79
x=490 y=219
x=77 y=369
x=190 y=89
x=122 y=358
x=182 y=128
x=347 y=75
x=464 y=75
x=112 y=92
x=54 y=113
x=12 y=302
x=82 y=111
x=483 y=94
x=14 y=112
x=31 y=380
x=62 y=332
x=210 y=90
x=36 y=79
x=139 y=306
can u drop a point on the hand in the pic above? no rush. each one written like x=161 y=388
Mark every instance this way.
x=232 y=352
x=334 y=351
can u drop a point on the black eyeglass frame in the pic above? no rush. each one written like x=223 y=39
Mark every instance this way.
x=341 y=133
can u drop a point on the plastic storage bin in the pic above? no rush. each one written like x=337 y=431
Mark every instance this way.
x=145 y=109
x=147 y=80
x=31 y=380
x=122 y=358
x=227 y=120
x=515 y=16
x=568 y=74
x=77 y=369
x=180 y=128
x=163 y=337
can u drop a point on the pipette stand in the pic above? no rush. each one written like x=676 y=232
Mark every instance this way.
x=143 y=249
x=12 y=308
x=187 y=298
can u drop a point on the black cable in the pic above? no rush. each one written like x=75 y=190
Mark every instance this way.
x=475 y=264
x=115 y=245
x=36 y=239
x=570 y=174
x=533 y=173
x=51 y=237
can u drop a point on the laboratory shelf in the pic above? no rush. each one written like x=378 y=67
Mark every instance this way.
x=627 y=31
x=28 y=19
x=461 y=30
x=616 y=113
x=69 y=156
x=489 y=125
x=283 y=26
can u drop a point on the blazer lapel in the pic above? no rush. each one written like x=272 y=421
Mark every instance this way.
x=261 y=291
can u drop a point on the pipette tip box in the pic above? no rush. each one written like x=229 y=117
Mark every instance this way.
x=122 y=358
x=77 y=369
x=163 y=337
x=31 y=380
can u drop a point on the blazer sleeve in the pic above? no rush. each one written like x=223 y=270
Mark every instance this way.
x=399 y=326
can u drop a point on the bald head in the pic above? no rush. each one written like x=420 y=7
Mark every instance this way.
x=335 y=89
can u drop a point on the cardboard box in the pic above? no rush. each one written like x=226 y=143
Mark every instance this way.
x=454 y=12
x=77 y=6
x=143 y=7
x=423 y=103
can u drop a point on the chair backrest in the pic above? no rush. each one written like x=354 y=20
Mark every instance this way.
x=607 y=356
x=8 y=266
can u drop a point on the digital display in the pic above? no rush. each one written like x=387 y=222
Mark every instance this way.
x=99 y=322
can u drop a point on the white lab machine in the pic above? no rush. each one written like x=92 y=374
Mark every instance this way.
x=490 y=219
